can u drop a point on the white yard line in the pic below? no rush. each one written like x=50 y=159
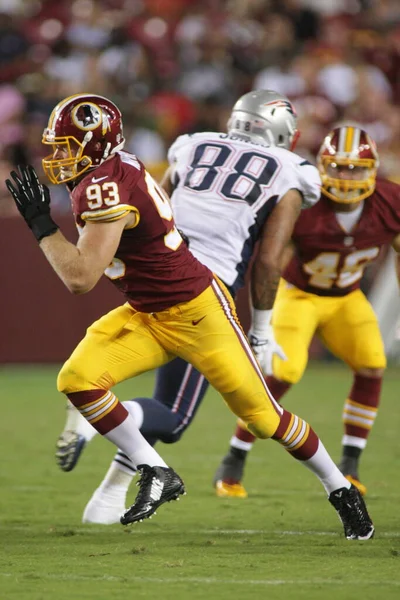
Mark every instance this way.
x=385 y=534
x=141 y=531
x=137 y=530
x=94 y=529
x=204 y=580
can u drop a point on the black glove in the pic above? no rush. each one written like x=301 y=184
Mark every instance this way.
x=32 y=200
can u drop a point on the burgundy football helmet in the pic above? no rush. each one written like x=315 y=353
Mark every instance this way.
x=348 y=162
x=84 y=130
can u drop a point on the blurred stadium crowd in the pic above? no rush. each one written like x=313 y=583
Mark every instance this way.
x=176 y=66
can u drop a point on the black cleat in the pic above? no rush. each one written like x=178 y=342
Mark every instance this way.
x=69 y=447
x=157 y=486
x=353 y=513
x=231 y=468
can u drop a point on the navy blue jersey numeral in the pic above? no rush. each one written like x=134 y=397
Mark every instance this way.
x=204 y=168
x=245 y=184
x=251 y=171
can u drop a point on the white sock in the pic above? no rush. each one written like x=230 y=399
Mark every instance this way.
x=136 y=411
x=325 y=469
x=240 y=444
x=76 y=422
x=116 y=482
x=128 y=437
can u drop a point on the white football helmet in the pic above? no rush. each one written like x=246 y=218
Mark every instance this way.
x=265 y=117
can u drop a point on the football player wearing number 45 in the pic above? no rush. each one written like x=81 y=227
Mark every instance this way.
x=333 y=243
x=175 y=306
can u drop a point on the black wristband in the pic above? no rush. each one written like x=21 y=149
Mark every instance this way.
x=43 y=226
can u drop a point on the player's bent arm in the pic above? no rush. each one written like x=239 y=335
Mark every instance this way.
x=80 y=267
x=275 y=239
x=287 y=255
x=166 y=182
x=396 y=243
x=396 y=247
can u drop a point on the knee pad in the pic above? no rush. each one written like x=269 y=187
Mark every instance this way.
x=66 y=380
x=158 y=420
x=71 y=379
x=172 y=438
x=375 y=362
x=264 y=424
x=288 y=371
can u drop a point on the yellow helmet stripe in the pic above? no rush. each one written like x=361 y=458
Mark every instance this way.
x=348 y=145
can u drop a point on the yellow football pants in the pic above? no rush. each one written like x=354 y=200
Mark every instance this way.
x=347 y=325
x=204 y=331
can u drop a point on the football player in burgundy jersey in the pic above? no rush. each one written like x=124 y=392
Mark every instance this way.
x=320 y=293
x=175 y=306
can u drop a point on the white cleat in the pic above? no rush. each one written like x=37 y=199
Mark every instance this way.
x=103 y=509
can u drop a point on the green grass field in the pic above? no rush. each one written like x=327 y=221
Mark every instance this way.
x=284 y=541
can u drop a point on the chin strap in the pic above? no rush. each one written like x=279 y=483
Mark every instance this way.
x=106 y=151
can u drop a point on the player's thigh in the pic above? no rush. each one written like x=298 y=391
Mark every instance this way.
x=116 y=347
x=295 y=319
x=215 y=343
x=219 y=349
x=353 y=334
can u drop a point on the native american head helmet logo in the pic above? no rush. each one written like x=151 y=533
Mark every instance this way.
x=87 y=116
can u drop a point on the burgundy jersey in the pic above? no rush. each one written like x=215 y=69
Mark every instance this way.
x=328 y=260
x=152 y=266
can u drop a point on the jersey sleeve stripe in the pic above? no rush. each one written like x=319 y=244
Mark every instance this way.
x=110 y=214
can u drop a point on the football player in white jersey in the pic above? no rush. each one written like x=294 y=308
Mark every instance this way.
x=225 y=186
x=228 y=192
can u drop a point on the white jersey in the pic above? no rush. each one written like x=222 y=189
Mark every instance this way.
x=225 y=188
